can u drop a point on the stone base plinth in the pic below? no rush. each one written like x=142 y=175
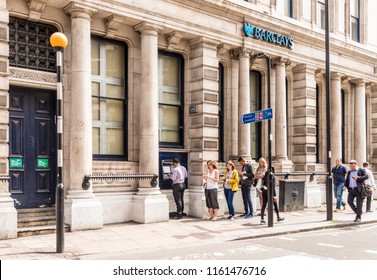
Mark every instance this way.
x=83 y=213
x=149 y=206
x=8 y=219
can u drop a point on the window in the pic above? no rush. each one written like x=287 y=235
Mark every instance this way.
x=108 y=98
x=355 y=20
x=29 y=45
x=255 y=105
x=321 y=14
x=170 y=87
x=288 y=11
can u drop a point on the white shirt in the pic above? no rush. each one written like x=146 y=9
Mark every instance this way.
x=178 y=174
x=370 y=180
x=210 y=183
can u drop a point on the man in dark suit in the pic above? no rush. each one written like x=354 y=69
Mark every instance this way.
x=355 y=178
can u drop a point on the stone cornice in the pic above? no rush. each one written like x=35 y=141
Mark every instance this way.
x=31 y=75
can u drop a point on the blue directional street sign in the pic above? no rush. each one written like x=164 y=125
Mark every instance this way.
x=257 y=116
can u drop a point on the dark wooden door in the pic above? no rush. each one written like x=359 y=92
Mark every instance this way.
x=32 y=156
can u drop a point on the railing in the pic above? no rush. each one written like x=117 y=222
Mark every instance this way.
x=311 y=174
x=113 y=177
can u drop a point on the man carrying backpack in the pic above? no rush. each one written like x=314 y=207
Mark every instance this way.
x=355 y=178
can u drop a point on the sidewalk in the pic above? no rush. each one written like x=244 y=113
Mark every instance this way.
x=129 y=238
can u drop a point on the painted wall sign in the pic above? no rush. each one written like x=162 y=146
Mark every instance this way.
x=42 y=163
x=15 y=163
x=268 y=36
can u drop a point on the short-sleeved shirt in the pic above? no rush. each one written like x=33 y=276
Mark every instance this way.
x=339 y=174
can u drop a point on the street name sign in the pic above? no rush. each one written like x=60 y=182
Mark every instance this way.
x=257 y=116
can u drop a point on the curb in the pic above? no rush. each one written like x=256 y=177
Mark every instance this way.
x=345 y=224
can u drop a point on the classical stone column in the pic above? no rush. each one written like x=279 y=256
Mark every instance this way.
x=8 y=214
x=149 y=204
x=360 y=146
x=83 y=211
x=336 y=117
x=234 y=106
x=280 y=110
x=244 y=103
x=373 y=120
x=281 y=161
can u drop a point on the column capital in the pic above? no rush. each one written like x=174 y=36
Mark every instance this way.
x=148 y=28
x=359 y=82
x=240 y=52
x=280 y=60
x=79 y=10
x=222 y=49
x=336 y=76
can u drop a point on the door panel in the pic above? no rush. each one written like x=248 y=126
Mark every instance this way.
x=32 y=156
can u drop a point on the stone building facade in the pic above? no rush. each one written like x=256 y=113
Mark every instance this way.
x=146 y=81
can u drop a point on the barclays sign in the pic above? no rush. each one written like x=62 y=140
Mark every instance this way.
x=267 y=36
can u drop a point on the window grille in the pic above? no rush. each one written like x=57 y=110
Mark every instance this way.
x=29 y=45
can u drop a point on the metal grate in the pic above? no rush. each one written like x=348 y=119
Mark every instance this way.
x=29 y=45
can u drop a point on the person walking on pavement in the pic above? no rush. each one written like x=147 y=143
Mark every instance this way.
x=371 y=182
x=339 y=172
x=355 y=178
x=247 y=176
x=212 y=179
x=178 y=176
x=230 y=179
x=265 y=197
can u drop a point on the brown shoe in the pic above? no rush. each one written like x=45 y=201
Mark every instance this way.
x=344 y=207
x=337 y=210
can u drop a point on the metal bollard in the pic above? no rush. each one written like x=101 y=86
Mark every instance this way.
x=60 y=218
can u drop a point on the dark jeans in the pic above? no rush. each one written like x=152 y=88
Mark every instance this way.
x=265 y=202
x=246 y=197
x=178 y=190
x=229 y=200
x=358 y=208
x=369 y=203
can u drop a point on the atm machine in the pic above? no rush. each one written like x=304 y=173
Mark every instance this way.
x=166 y=163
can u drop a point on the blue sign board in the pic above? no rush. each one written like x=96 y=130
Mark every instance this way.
x=257 y=116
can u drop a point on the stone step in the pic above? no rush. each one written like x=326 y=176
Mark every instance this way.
x=35 y=212
x=35 y=221
x=38 y=230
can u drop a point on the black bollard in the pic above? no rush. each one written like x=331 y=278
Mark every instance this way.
x=60 y=218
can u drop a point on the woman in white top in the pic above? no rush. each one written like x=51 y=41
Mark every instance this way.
x=212 y=179
x=259 y=174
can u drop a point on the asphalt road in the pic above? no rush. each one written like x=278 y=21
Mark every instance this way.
x=358 y=242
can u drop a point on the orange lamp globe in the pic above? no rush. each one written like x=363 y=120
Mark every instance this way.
x=58 y=40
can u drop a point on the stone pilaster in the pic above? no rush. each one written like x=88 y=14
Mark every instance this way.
x=82 y=209
x=373 y=132
x=336 y=117
x=281 y=161
x=244 y=144
x=204 y=124
x=149 y=204
x=8 y=214
x=304 y=118
x=360 y=145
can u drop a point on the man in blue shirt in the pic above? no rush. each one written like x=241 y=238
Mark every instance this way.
x=339 y=173
x=178 y=176
x=355 y=178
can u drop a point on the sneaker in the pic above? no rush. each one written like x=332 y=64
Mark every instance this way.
x=357 y=220
x=337 y=210
x=262 y=222
x=281 y=219
x=229 y=217
x=248 y=216
x=232 y=218
x=370 y=210
x=243 y=215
